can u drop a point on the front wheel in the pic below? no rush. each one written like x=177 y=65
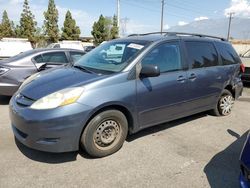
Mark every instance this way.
x=225 y=104
x=105 y=133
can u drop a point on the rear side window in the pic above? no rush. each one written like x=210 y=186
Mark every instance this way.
x=228 y=54
x=55 y=57
x=201 y=54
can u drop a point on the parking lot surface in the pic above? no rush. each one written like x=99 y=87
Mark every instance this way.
x=197 y=151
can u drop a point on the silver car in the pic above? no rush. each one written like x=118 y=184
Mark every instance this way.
x=15 y=70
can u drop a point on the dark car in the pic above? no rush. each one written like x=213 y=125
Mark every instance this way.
x=245 y=58
x=15 y=70
x=88 y=48
x=245 y=164
x=97 y=101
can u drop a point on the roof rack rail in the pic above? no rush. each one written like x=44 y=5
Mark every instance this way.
x=179 y=34
x=193 y=34
x=143 y=34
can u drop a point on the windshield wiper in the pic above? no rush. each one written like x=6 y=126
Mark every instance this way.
x=83 y=69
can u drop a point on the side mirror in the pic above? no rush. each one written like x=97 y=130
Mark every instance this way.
x=41 y=66
x=240 y=55
x=150 y=71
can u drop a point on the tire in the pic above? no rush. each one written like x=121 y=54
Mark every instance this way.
x=224 y=105
x=105 y=133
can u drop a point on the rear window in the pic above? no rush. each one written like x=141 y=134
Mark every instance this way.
x=201 y=54
x=227 y=53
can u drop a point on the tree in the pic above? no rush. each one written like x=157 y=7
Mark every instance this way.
x=27 y=28
x=114 y=32
x=6 y=26
x=100 y=30
x=70 y=31
x=40 y=38
x=51 y=22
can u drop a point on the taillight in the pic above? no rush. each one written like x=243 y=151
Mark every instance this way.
x=242 y=67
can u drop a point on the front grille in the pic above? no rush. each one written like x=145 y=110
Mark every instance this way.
x=23 y=100
x=247 y=70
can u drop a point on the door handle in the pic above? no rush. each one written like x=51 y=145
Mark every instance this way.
x=192 y=76
x=181 y=79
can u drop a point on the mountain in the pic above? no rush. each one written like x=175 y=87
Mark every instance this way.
x=240 y=27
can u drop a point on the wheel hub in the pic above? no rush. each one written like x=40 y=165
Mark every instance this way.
x=226 y=104
x=106 y=133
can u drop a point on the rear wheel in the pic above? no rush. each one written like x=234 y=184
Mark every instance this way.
x=225 y=104
x=105 y=133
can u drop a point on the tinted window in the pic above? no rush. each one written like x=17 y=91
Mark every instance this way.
x=76 y=56
x=165 y=56
x=201 y=54
x=38 y=59
x=55 y=57
x=228 y=54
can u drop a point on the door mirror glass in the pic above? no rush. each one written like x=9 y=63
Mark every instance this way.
x=149 y=71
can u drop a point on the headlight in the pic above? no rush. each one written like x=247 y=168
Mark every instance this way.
x=29 y=79
x=3 y=70
x=60 y=98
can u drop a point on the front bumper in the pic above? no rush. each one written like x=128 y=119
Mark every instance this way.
x=57 y=130
x=8 y=89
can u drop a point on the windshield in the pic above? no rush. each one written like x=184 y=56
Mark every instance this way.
x=112 y=56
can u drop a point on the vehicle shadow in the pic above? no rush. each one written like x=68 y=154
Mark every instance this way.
x=4 y=100
x=51 y=158
x=55 y=158
x=164 y=126
x=223 y=169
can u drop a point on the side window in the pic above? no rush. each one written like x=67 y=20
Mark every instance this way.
x=55 y=57
x=38 y=59
x=165 y=56
x=76 y=56
x=201 y=54
x=228 y=54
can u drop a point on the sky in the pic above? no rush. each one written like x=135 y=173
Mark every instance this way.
x=137 y=16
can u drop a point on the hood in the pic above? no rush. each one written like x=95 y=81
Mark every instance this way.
x=53 y=80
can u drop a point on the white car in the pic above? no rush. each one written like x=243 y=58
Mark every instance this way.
x=77 y=45
x=12 y=46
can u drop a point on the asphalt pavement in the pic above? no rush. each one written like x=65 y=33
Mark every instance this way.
x=197 y=151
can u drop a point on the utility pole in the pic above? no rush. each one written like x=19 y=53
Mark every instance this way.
x=118 y=16
x=124 y=22
x=162 y=13
x=229 y=24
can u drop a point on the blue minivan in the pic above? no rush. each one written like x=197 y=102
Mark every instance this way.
x=96 y=102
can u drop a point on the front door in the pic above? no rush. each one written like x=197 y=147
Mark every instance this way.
x=162 y=98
